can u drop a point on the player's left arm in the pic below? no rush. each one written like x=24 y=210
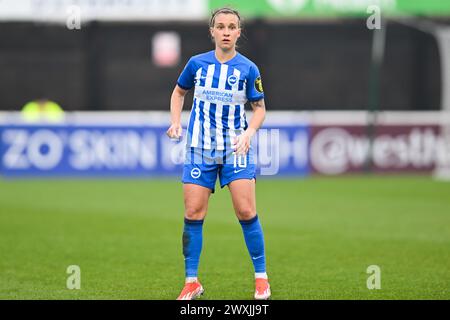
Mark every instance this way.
x=259 y=114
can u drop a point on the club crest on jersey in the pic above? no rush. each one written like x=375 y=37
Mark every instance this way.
x=196 y=173
x=232 y=80
x=258 y=85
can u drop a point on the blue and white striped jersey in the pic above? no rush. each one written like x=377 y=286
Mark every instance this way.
x=221 y=91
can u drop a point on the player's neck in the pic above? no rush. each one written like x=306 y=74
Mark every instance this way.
x=224 y=56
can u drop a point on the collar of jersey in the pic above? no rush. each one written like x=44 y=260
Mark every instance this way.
x=226 y=62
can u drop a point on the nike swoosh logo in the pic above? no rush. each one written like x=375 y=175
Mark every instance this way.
x=237 y=171
x=254 y=258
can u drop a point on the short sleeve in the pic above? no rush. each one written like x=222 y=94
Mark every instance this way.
x=187 y=76
x=255 y=90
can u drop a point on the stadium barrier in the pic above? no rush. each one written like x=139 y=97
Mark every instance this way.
x=134 y=144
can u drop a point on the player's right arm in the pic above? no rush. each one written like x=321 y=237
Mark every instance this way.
x=184 y=83
x=176 y=106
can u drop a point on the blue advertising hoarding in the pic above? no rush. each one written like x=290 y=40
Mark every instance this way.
x=68 y=150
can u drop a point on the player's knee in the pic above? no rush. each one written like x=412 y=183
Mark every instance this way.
x=246 y=213
x=195 y=213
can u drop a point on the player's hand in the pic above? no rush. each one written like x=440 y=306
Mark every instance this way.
x=174 y=131
x=241 y=143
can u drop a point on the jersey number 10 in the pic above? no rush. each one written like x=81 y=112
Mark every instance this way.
x=240 y=161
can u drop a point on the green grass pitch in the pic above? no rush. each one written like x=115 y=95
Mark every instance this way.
x=321 y=235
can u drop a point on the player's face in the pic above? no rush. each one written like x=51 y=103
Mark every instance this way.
x=226 y=31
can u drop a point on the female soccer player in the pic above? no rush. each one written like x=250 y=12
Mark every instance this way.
x=218 y=143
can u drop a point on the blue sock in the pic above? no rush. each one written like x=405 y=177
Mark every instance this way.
x=192 y=245
x=254 y=240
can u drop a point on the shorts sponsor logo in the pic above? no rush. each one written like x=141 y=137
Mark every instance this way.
x=196 y=173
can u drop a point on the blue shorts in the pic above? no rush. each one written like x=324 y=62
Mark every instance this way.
x=204 y=173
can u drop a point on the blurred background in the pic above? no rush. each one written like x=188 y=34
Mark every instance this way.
x=355 y=89
x=314 y=55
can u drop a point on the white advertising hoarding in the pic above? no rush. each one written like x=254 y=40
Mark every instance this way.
x=109 y=10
